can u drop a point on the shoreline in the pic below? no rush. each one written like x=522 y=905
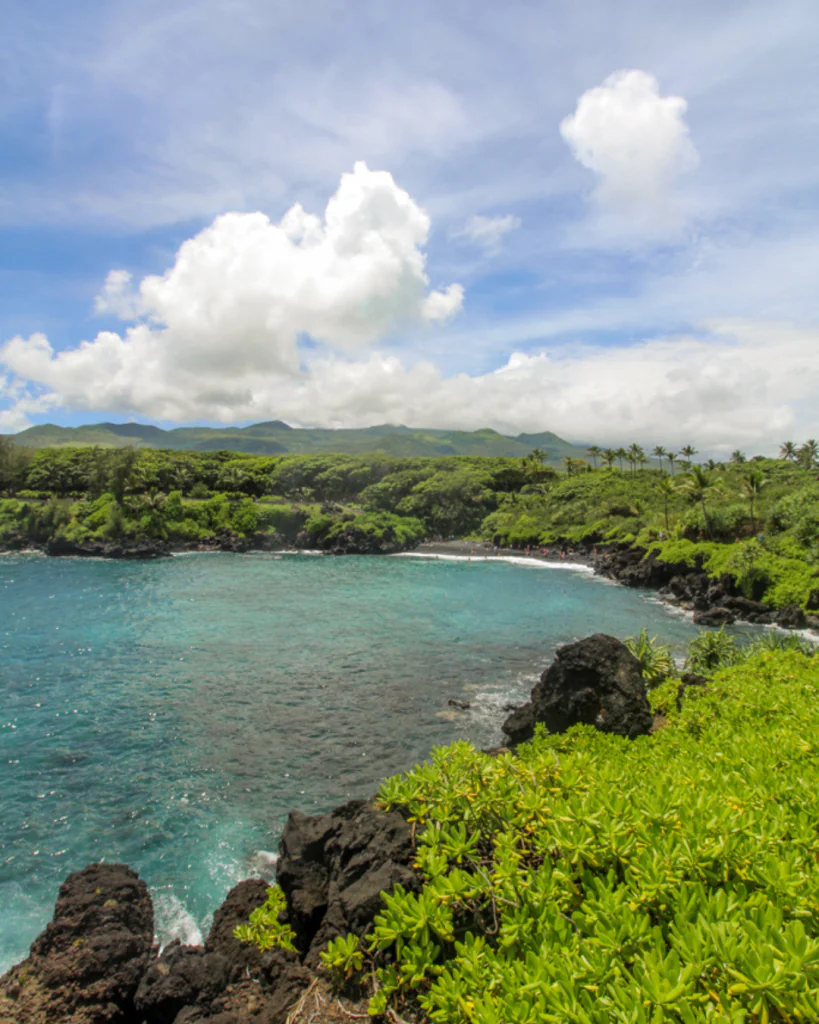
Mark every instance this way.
x=686 y=589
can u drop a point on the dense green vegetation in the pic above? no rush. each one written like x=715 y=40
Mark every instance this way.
x=275 y=437
x=588 y=879
x=94 y=494
x=755 y=521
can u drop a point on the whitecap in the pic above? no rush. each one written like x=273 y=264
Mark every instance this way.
x=172 y=920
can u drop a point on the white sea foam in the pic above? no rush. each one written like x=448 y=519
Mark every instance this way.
x=264 y=863
x=174 y=921
x=534 y=563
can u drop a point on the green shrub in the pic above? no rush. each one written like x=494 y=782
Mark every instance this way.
x=244 y=519
x=712 y=650
x=287 y=520
x=596 y=880
x=655 y=658
x=264 y=930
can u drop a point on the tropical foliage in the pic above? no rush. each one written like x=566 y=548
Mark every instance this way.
x=755 y=519
x=591 y=879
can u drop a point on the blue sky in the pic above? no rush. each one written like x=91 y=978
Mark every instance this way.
x=594 y=218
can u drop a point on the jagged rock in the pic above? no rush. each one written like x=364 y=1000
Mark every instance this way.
x=333 y=868
x=713 y=617
x=86 y=966
x=520 y=725
x=461 y=705
x=138 y=549
x=236 y=908
x=791 y=617
x=812 y=621
x=596 y=681
x=744 y=606
x=181 y=976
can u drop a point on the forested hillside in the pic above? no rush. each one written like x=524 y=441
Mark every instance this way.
x=277 y=437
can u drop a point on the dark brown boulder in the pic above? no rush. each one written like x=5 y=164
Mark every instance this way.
x=333 y=868
x=181 y=976
x=520 y=725
x=715 y=617
x=86 y=966
x=237 y=907
x=595 y=681
x=225 y=979
x=791 y=616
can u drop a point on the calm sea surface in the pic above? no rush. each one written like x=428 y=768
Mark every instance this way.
x=168 y=714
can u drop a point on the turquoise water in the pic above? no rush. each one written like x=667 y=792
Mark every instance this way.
x=168 y=714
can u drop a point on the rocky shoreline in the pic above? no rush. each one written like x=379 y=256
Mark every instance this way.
x=97 y=962
x=713 y=602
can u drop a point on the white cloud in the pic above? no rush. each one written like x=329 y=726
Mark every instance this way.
x=226 y=318
x=637 y=143
x=737 y=383
x=488 y=231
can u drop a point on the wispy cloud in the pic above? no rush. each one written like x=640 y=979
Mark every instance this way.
x=488 y=232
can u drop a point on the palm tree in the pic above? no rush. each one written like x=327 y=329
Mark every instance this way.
x=609 y=457
x=634 y=453
x=182 y=478
x=699 y=484
x=672 y=458
x=689 y=451
x=595 y=451
x=641 y=458
x=752 y=485
x=809 y=453
x=788 y=451
x=621 y=454
x=659 y=453
x=231 y=479
x=572 y=465
x=737 y=458
x=666 y=489
x=537 y=455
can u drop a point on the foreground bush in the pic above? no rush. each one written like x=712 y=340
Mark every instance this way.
x=591 y=879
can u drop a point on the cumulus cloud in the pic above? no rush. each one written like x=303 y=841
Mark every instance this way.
x=637 y=143
x=717 y=390
x=733 y=384
x=488 y=232
x=227 y=317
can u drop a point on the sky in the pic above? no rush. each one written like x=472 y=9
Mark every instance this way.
x=592 y=218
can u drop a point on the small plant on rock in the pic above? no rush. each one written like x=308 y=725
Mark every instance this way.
x=264 y=929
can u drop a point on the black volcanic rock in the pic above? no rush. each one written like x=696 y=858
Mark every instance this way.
x=87 y=964
x=181 y=976
x=595 y=681
x=712 y=616
x=791 y=617
x=333 y=868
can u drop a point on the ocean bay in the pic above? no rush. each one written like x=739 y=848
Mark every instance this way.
x=168 y=714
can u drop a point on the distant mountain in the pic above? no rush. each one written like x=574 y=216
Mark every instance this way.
x=276 y=438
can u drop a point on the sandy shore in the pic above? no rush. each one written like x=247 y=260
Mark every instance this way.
x=466 y=549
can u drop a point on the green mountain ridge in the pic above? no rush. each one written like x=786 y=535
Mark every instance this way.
x=277 y=438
